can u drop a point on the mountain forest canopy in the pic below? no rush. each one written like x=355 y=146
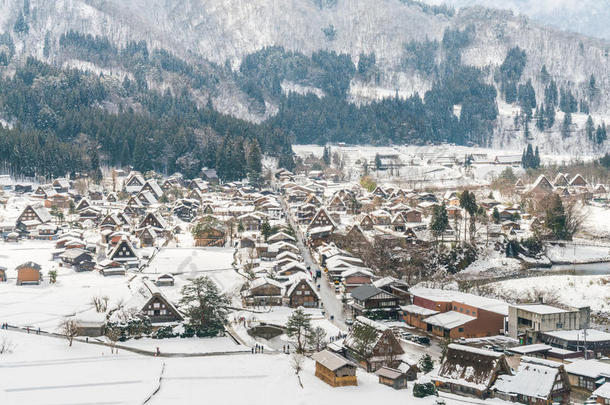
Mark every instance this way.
x=160 y=115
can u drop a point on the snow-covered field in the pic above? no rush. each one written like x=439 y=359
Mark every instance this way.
x=424 y=165
x=593 y=291
x=44 y=370
x=222 y=344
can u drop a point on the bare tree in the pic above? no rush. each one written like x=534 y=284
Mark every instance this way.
x=100 y=303
x=113 y=334
x=6 y=345
x=69 y=328
x=296 y=361
x=317 y=338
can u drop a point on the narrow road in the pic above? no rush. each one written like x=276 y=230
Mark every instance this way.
x=332 y=306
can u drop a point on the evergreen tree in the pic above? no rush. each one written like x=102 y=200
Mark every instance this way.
x=426 y=364
x=549 y=116
x=565 y=126
x=600 y=133
x=326 y=156
x=536 y=158
x=590 y=130
x=551 y=95
x=496 y=215
x=540 y=114
x=298 y=327
x=510 y=92
x=21 y=26
x=544 y=75
x=46 y=50
x=439 y=221
x=527 y=97
x=254 y=166
x=266 y=229
x=205 y=307
x=377 y=161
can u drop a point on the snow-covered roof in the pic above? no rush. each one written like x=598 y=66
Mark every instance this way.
x=589 y=368
x=593 y=335
x=416 y=309
x=488 y=304
x=540 y=309
x=331 y=360
x=449 y=320
x=533 y=378
x=530 y=348
x=603 y=391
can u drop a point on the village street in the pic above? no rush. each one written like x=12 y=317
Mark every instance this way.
x=331 y=305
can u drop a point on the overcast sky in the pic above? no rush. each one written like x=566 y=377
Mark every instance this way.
x=590 y=17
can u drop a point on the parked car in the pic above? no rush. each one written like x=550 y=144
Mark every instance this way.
x=349 y=321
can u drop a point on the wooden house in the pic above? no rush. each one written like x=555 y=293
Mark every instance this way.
x=602 y=394
x=134 y=183
x=392 y=377
x=541 y=187
x=334 y=370
x=250 y=222
x=537 y=381
x=123 y=252
x=263 y=291
x=395 y=287
x=302 y=294
x=368 y=298
x=28 y=273
x=108 y=267
x=75 y=256
x=111 y=221
x=150 y=301
x=45 y=192
x=33 y=215
x=578 y=181
x=165 y=280
x=385 y=350
x=61 y=185
x=155 y=221
x=146 y=198
x=152 y=186
x=148 y=236
x=211 y=235
x=366 y=223
x=470 y=371
x=412 y=216
x=561 y=180
x=2 y=274
x=355 y=277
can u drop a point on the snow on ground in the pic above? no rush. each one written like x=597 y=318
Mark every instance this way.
x=187 y=345
x=45 y=305
x=597 y=221
x=424 y=166
x=44 y=370
x=572 y=253
x=492 y=260
x=593 y=291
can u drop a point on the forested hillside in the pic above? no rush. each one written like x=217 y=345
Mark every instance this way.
x=176 y=86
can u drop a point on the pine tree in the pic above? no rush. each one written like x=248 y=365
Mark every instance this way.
x=600 y=133
x=565 y=126
x=204 y=305
x=550 y=94
x=426 y=364
x=46 y=50
x=536 y=158
x=266 y=229
x=540 y=117
x=326 y=156
x=496 y=215
x=590 y=129
x=549 y=116
x=21 y=26
x=254 y=166
x=377 y=161
x=439 y=221
x=298 y=327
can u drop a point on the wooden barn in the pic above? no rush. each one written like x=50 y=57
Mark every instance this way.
x=28 y=273
x=335 y=370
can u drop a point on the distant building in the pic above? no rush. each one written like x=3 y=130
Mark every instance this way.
x=527 y=321
x=334 y=370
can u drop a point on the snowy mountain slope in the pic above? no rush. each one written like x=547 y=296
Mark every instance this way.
x=589 y=17
x=227 y=30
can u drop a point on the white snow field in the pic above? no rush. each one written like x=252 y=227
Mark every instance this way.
x=44 y=370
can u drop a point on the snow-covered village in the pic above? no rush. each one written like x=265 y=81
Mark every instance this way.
x=169 y=290
x=304 y=202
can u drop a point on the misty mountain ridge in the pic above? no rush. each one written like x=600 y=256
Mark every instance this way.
x=215 y=36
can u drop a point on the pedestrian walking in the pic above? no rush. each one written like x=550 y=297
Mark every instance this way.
x=262 y=349
x=158 y=351
x=252 y=350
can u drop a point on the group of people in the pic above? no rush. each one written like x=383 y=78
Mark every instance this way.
x=4 y=326
x=258 y=349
